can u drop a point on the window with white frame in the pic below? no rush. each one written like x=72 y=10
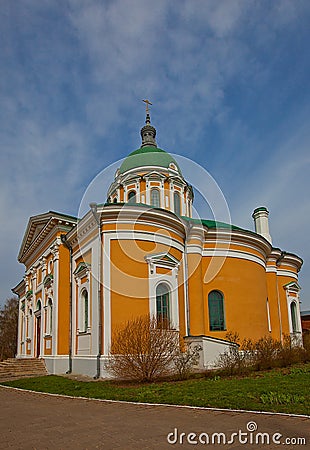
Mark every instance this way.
x=49 y=316
x=177 y=203
x=84 y=310
x=293 y=309
x=132 y=197
x=163 y=304
x=155 y=198
x=216 y=311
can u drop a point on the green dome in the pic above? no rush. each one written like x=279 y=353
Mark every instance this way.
x=148 y=156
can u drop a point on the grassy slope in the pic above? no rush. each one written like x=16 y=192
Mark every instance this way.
x=285 y=390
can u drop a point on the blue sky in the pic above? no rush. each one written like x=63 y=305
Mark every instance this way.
x=229 y=82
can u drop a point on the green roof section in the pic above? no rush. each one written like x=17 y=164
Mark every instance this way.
x=213 y=224
x=148 y=156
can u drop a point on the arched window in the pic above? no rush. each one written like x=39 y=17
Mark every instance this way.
x=268 y=315
x=38 y=307
x=115 y=200
x=294 y=317
x=50 y=266
x=29 y=324
x=216 y=311
x=85 y=310
x=49 y=321
x=177 y=203
x=132 y=197
x=162 y=304
x=155 y=198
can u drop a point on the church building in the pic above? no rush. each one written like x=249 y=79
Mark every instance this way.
x=140 y=253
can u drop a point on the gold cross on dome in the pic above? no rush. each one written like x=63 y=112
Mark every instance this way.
x=147 y=102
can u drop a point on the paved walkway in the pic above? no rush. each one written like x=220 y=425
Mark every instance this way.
x=36 y=421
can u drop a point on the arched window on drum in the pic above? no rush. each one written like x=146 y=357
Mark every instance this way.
x=155 y=198
x=177 y=203
x=132 y=197
x=216 y=311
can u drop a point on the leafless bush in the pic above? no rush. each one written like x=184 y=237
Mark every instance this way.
x=185 y=359
x=234 y=360
x=263 y=354
x=290 y=353
x=143 y=350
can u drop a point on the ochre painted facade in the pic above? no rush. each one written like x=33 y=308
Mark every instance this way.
x=141 y=253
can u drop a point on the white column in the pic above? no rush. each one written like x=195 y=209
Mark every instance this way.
x=55 y=251
x=106 y=295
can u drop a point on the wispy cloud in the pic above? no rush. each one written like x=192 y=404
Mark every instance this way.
x=227 y=79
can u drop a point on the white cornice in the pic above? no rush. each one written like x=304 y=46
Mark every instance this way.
x=47 y=222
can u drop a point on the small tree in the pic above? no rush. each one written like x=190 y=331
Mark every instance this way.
x=8 y=328
x=143 y=350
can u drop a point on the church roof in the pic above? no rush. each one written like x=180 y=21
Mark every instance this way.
x=148 y=156
x=38 y=228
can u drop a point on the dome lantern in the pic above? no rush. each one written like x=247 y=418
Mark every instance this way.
x=148 y=132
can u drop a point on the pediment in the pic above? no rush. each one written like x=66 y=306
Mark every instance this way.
x=39 y=227
x=82 y=270
x=154 y=175
x=163 y=259
x=292 y=286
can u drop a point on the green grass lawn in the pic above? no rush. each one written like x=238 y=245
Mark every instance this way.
x=285 y=390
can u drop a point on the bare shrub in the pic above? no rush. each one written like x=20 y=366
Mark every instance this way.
x=235 y=361
x=290 y=353
x=265 y=353
x=143 y=350
x=185 y=359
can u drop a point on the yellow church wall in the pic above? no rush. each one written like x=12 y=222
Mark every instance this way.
x=121 y=194
x=86 y=257
x=163 y=270
x=63 y=300
x=130 y=279
x=275 y=319
x=195 y=294
x=142 y=187
x=129 y=282
x=243 y=284
x=282 y=281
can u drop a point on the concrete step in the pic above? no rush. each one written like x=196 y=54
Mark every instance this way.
x=19 y=368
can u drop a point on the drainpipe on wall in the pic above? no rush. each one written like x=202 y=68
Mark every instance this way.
x=94 y=210
x=66 y=243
